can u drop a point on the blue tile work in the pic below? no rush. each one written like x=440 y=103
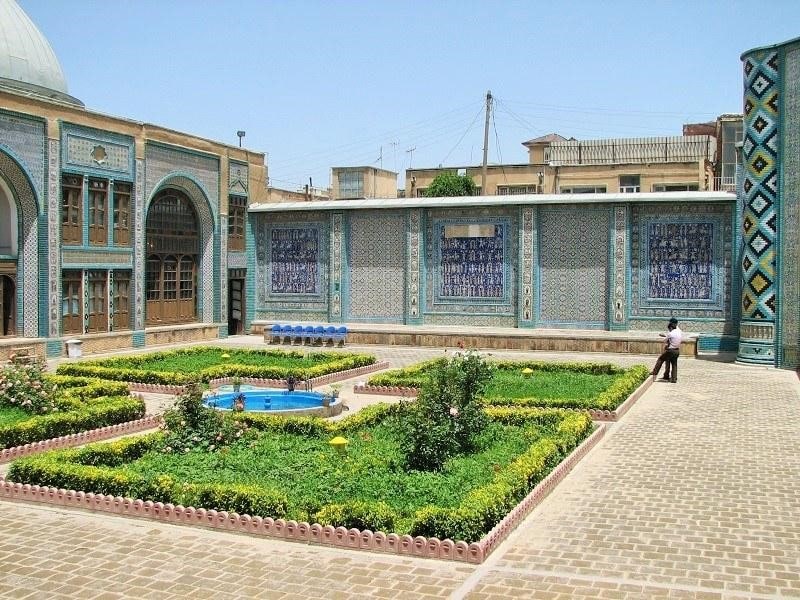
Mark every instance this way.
x=287 y=304
x=788 y=333
x=294 y=260
x=619 y=272
x=527 y=257
x=53 y=273
x=760 y=150
x=414 y=266
x=238 y=175
x=28 y=253
x=337 y=246
x=573 y=262
x=24 y=137
x=138 y=249
x=375 y=273
x=163 y=161
x=97 y=152
x=681 y=261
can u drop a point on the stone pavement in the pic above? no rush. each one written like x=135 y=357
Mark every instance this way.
x=694 y=494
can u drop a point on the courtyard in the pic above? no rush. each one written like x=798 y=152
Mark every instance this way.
x=691 y=495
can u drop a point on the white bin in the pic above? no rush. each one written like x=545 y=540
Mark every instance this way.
x=74 y=348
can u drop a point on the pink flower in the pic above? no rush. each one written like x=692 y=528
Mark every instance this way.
x=453 y=411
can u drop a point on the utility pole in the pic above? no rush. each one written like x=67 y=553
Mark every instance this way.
x=410 y=153
x=486 y=142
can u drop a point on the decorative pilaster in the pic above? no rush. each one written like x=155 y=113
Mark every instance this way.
x=138 y=253
x=761 y=212
x=336 y=266
x=53 y=238
x=619 y=297
x=413 y=315
x=526 y=287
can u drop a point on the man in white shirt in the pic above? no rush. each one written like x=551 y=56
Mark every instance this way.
x=672 y=350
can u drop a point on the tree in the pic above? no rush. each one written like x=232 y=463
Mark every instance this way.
x=450 y=184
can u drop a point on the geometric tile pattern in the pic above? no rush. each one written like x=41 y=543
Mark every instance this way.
x=761 y=169
x=99 y=151
x=222 y=268
x=166 y=160
x=789 y=329
x=619 y=298
x=138 y=256
x=337 y=241
x=414 y=263
x=237 y=178
x=54 y=238
x=25 y=138
x=528 y=248
x=28 y=253
x=573 y=258
x=376 y=269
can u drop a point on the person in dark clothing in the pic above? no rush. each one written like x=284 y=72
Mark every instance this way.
x=672 y=345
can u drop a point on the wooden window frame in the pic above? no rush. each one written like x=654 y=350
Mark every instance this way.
x=121 y=317
x=72 y=302
x=237 y=210
x=98 y=212
x=97 y=321
x=72 y=209
x=122 y=194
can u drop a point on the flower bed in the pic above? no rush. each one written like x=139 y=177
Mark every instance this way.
x=284 y=468
x=39 y=407
x=597 y=387
x=181 y=367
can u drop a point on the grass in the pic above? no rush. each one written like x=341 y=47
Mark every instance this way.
x=544 y=384
x=12 y=415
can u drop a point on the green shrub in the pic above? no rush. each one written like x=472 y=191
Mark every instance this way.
x=241 y=499
x=25 y=386
x=375 y=516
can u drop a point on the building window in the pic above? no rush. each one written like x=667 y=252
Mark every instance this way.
x=8 y=310
x=122 y=214
x=421 y=192
x=351 y=184
x=516 y=190
x=71 y=209
x=71 y=301
x=629 y=184
x=173 y=246
x=98 y=204
x=237 y=209
x=676 y=187
x=583 y=189
x=122 y=300
x=97 y=321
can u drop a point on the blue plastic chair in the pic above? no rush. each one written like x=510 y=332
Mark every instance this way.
x=319 y=332
x=297 y=332
x=275 y=333
x=286 y=332
x=329 y=334
x=340 y=335
x=308 y=333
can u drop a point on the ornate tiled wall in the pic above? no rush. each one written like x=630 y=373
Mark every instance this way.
x=138 y=254
x=788 y=337
x=760 y=230
x=619 y=282
x=414 y=266
x=573 y=266
x=375 y=272
x=54 y=238
x=527 y=259
x=238 y=175
x=470 y=267
x=24 y=139
x=28 y=293
x=681 y=265
x=291 y=266
x=93 y=151
x=163 y=161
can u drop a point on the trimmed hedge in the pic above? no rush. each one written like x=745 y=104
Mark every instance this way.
x=101 y=468
x=83 y=404
x=125 y=369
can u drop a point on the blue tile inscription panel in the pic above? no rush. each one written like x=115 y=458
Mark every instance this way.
x=471 y=259
x=681 y=260
x=294 y=260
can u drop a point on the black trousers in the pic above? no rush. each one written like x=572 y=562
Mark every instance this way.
x=669 y=356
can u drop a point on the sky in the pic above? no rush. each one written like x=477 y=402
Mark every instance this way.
x=321 y=84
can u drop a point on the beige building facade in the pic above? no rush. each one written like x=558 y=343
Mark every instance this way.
x=352 y=183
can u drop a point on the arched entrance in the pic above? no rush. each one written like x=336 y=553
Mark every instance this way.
x=173 y=252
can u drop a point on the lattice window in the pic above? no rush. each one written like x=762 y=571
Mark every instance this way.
x=98 y=302
x=122 y=214
x=98 y=215
x=237 y=212
x=72 y=209
x=173 y=244
x=72 y=301
x=122 y=300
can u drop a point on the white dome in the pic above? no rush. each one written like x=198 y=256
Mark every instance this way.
x=27 y=62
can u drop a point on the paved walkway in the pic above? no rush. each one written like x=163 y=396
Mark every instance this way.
x=695 y=494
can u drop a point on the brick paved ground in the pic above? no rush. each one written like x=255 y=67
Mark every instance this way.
x=695 y=494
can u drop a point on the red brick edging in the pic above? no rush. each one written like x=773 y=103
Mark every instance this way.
x=475 y=552
x=78 y=439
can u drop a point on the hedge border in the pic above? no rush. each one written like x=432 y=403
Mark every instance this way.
x=341 y=537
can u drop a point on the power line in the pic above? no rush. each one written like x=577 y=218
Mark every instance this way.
x=469 y=127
